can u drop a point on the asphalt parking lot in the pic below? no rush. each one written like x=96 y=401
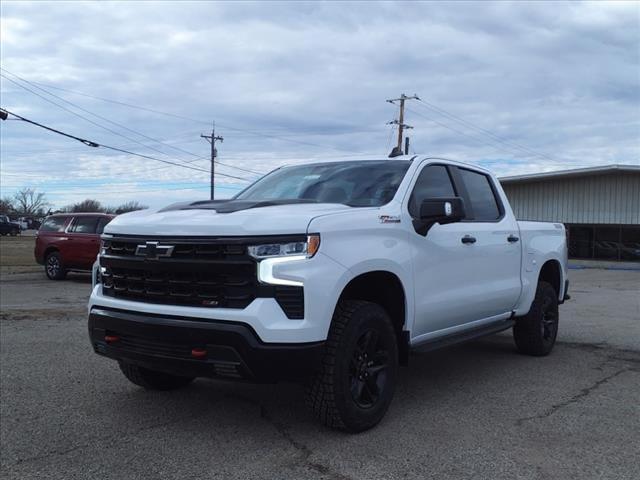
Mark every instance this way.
x=474 y=411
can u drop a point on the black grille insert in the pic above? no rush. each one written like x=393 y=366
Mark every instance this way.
x=197 y=273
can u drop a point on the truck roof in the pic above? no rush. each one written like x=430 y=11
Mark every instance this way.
x=380 y=158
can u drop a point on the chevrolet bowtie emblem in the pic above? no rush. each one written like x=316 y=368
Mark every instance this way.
x=153 y=250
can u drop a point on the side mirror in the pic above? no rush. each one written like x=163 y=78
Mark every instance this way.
x=438 y=210
x=442 y=210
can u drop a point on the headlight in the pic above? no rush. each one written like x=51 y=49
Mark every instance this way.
x=273 y=254
x=269 y=250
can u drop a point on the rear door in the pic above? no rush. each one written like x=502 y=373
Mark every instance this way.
x=85 y=241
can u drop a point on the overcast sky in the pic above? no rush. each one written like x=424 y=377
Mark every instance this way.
x=517 y=87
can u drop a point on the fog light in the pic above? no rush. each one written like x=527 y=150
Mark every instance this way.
x=198 y=353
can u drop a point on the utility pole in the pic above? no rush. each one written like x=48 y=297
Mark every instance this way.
x=397 y=150
x=212 y=139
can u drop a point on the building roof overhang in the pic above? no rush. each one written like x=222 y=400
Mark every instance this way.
x=578 y=172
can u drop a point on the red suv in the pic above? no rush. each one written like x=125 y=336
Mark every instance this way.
x=69 y=241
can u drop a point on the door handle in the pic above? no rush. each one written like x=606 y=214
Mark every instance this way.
x=468 y=239
x=512 y=239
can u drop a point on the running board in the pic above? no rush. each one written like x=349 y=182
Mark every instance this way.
x=467 y=335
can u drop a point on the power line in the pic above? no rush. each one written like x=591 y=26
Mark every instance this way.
x=393 y=128
x=89 y=182
x=197 y=157
x=460 y=132
x=94 y=193
x=95 y=145
x=182 y=117
x=99 y=125
x=240 y=168
x=96 y=115
x=59 y=149
x=487 y=133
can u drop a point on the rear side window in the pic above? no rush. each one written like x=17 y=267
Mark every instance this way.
x=53 y=224
x=85 y=225
x=101 y=224
x=433 y=182
x=483 y=200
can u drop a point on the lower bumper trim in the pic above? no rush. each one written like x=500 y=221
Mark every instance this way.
x=232 y=349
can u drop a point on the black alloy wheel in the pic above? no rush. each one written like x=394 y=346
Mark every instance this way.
x=535 y=333
x=53 y=267
x=549 y=322
x=355 y=383
x=368 y=373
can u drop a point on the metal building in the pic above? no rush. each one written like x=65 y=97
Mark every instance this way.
x=600 y=207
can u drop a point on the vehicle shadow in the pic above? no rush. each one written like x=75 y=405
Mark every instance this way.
x=78 y=277
x=434 y=379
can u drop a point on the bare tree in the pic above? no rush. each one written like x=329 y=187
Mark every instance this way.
x=131 y=206
x=88 y=205
x=6 y=206
x=28 y=201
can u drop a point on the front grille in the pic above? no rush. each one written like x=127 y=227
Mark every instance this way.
x=214 y=273
x=148 y=346
x=184 y=251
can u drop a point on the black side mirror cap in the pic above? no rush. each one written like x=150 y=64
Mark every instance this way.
x=442 y=210
x=439 y=210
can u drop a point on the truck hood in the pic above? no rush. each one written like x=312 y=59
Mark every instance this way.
x=267 y=220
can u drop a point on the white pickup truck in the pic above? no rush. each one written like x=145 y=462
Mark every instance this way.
x=328 y=273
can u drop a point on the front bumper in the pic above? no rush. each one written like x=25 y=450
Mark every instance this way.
x=167 y=343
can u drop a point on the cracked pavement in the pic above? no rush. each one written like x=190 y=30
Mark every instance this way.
x=478 y=410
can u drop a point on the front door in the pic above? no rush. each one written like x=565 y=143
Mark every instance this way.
x=465 y=271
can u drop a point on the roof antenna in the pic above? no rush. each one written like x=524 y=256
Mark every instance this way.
x=396 y=152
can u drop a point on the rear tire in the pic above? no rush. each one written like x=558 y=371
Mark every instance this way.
x=151 y=379
x=356 y=381
x=53 y=267
x=13 y=232
x=535 y=333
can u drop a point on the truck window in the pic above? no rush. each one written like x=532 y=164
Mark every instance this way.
x=433 y=182
x=53 y=224
x=483 y=200
x=85 y=225
x=356 y=183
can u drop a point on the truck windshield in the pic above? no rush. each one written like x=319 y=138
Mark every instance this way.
x=356 y=183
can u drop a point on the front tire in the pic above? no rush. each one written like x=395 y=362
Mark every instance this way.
x=356 y=381
x=535 y=333
x=53 y=267
x=152 y=379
